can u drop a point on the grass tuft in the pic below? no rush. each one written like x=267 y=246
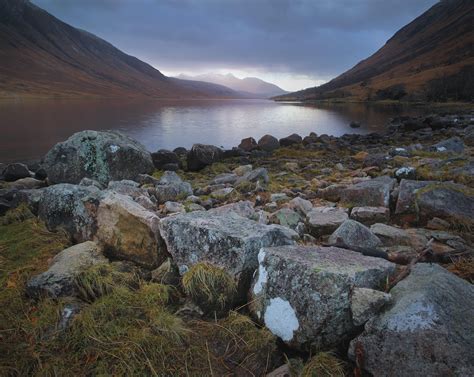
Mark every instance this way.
x=324 y=364
x=210 y=286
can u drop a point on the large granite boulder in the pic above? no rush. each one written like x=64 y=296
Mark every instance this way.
x=303 y=293
x=325 y=220
x=128 y=231
x=428 y=331
x=353 y=234
x=226 y=240
x=202 y=155
x=103 y=156
x=71 y=208
x=373 y=192
x=59 y=279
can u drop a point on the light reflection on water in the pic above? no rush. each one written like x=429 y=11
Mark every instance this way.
x=29 y=128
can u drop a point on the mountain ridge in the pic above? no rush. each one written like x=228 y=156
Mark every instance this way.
x=42 y=56
x=414 y=64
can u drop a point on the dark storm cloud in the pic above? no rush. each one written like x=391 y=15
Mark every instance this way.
x=319 y=38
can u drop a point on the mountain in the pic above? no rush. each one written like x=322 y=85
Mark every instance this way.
x=249 y=86
x=431 y=58
x=41 y=56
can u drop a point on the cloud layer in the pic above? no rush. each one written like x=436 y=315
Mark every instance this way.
x=317 y=39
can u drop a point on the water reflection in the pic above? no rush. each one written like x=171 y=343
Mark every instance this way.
x=29 y=128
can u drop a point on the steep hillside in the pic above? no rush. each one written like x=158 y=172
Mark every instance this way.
x=248 y=86
x=431 y=58
x=41 y=56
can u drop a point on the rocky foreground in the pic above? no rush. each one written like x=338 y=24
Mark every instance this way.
x=316 y=255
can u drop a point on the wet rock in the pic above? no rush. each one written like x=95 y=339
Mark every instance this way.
x=300 y=205
x=286 y=217
x=452 y=145
x=353 y=234
x=427 y=331
x=59 y=279
x=366 y=303
x=370 y=215
x=71 y=208
x=128 y=231
x=390 y=235
x=243 y=208
x=15 y=171
x=371 y=193
x=202 y=155
x=164 y=157
x=268 y=143
x=291 y=140
x=102 y=156
x=226 y=240
x=325 y=220
x=248 y=144
x=303 y=293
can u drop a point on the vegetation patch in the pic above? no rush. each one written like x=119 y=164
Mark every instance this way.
x=324 y=364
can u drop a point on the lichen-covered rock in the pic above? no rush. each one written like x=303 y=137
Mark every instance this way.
x=427 y=331
x=406 y=197
x=71 y=208
x=366 y=303
x=370 y=215
x=300 y=205
x=353 y=234
x=243 y=208
x=286 y=217
x=59 y=279
x=256 y=175
x=128 y=231
x=173 y=207
x=325 y=220
x=224 y=178
x=303 y=293
x=202 y=155
x=103 y=156
x=227 y=240
x=171 y=188
x=370 y=193
x=390 y=235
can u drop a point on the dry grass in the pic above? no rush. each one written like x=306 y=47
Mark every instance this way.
x=324 y=364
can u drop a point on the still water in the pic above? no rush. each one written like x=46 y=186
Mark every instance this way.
x=29 y=128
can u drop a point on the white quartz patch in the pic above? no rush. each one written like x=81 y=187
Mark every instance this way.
x=417 y=315
x=280 y=319
x=114 y=148
x=262 y=274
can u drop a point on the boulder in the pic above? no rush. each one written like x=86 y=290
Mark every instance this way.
x=452 y=145
x=242 y=170
x=407 y=192
x=300 y=205
x=286 y=217
x=248 y=144
x=366 y=303
x=227 y=240
x=427 y=331
x=15 y=171
x=353 y=234
x=173 y=207
x=171 y=187
x=164 y=157
x=128 y=231
x=256 y=175
x=303 y=293
x=28 y=183
x=103 y=156
x=370 y=215
x=202 y=155
x=243 y=208
x=127 y=187
x=331 y=193
x=372 y=193
x=59 y=279
x=390 y=235
x=225 y=178
x=325 y=220
x=71 y=208
x=180 y=151
x=268 y=143
x=291 y=140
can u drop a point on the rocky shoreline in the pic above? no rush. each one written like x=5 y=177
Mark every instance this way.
x=360 y=245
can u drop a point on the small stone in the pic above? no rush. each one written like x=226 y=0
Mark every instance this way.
x=325 y=220
x=353 y=234
x=279 y=197
x=366 y=303
x=370 y=215
x=223 y=193
x=286 y=217
x=390 y=235
x=173 y=207
x=242 y=170
x=300 y=205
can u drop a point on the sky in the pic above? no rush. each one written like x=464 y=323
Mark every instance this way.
x=292 y=43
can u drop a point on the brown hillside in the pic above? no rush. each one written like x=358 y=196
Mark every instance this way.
x=431 y=58
x=43 y=56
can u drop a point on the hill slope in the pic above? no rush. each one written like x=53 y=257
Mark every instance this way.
x=41 y=56
x=249 y=86
x=431 y=58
